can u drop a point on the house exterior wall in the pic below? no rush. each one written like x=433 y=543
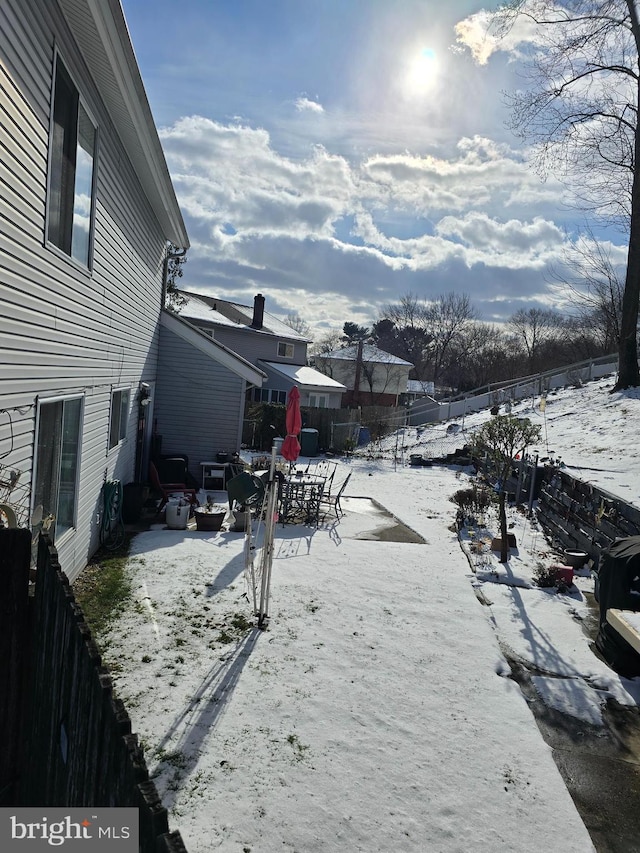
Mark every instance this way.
x=64 y=329
x=199 y=404
x=380 y=383
x=254 y=345
x=278 y=382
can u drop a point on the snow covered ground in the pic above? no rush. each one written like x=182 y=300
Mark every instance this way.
x=375 y=713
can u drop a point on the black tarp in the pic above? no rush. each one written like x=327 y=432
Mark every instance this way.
x=619 y=587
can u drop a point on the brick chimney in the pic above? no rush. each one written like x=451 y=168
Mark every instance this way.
x=258 y=311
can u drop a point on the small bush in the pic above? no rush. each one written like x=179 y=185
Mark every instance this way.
x=472 y=501
x=545 y=576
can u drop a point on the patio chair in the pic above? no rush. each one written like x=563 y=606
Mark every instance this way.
x=167 y=489
x=332 y=502
x=245 y=488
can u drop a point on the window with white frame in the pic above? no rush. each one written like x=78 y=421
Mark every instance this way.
x=319 y=401
x=267 y=395
x=285 y=350
x=119 y=416
x=71 y=170
x=57 y=462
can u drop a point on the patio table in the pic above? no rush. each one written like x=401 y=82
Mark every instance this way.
x=300 y=499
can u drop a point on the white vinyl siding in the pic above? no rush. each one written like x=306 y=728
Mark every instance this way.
x=66 y=331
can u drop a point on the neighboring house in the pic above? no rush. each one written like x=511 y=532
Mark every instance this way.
x=200 y=393
x=266 y=342
x=372 y=376
x=417 y=388
x=87 y=208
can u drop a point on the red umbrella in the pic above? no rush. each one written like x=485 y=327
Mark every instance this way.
x=291 y=446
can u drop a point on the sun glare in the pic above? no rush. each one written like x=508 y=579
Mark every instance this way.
x=422 y=72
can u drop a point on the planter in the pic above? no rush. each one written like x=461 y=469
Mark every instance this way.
x=575 y=559
x=209 y=520
x=496 y=543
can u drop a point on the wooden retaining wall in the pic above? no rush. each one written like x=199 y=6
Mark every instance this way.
x=74 y=741
x=580 y=516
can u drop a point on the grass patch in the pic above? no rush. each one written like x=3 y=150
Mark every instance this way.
x=103 y=587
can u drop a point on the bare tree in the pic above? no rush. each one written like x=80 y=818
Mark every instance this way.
x=447 y=318
x=597 y=287
x=295 y=322
x=426 y=330
x=534 y=327
x=581 y=111
x=322 y=347
x=481 y=354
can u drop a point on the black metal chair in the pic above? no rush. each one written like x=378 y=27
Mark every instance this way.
x=332 y=502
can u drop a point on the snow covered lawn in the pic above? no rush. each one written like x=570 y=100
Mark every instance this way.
x=374 y=714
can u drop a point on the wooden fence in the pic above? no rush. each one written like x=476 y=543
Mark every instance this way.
x=15 y=556
x=74 y=741
x=264 y=421
x=578 y=515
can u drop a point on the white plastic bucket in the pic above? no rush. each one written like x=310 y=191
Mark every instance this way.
x=177 y=515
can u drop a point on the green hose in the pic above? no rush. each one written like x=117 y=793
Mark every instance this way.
x=112 y=526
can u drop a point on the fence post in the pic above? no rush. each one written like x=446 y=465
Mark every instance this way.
x=15 y=559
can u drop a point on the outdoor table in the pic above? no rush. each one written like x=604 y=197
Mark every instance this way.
x=300 y=499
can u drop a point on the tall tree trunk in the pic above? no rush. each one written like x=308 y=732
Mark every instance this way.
x=504 y=536
x=628 y=374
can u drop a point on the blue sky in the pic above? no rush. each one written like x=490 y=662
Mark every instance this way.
x=336 y=155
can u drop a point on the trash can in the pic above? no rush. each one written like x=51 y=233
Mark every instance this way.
x=309 y=442
x=177 y=514
x=364 y=436
x=619 y=588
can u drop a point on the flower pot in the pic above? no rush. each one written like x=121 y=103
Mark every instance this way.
x=575 y=559
x=209 y=520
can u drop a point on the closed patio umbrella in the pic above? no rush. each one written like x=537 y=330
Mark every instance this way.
x=291 y=446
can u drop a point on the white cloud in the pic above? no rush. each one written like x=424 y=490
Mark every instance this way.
x=304 y=104
x=485 y=33
x=357 y=232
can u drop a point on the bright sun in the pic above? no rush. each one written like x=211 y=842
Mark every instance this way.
x=421 y=73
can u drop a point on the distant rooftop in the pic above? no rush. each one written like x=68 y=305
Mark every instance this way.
x=369 y=354
x=223 y=312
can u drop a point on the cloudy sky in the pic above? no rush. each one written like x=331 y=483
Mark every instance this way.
x=336 y=155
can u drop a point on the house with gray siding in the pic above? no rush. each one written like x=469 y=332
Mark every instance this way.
x=86 y=210
x=200 y=393
x=266 y=342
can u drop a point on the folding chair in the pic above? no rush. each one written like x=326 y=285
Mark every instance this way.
x=167 y=489
x=333 y=501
